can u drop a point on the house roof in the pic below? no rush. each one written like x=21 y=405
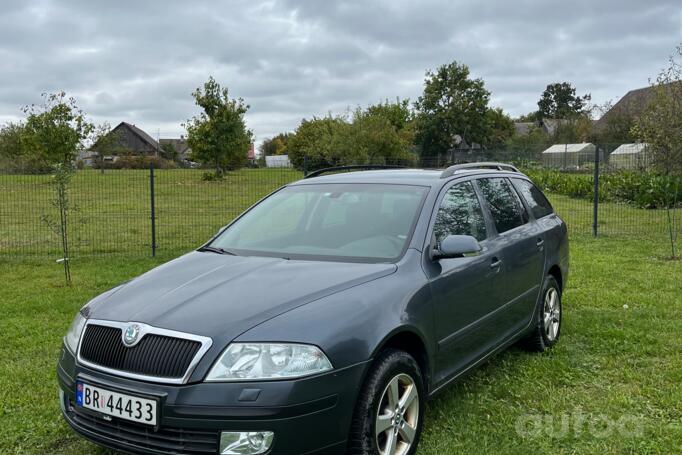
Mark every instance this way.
x=571 y=148
x=632 y=104
x=140 y=133
x=180 y=145
x=630 y=149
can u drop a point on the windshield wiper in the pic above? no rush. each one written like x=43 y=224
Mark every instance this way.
x=215 y=249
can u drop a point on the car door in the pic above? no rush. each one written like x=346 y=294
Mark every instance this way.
x=465 y=290
x=521 y=242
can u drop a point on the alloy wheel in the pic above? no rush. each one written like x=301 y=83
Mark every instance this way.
x=552 y=314
x=397 y=416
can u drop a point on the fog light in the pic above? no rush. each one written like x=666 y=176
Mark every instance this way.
x=245 y=442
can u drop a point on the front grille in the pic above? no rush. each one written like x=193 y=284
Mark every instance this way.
x=154 y=355
x=146 y=439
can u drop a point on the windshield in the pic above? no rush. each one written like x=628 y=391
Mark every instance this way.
x=352 y=221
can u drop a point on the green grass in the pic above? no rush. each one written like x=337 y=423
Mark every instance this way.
x=610 y=362
x=113 y=211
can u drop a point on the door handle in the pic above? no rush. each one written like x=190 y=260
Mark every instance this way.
x=496 y=263
x=540 y=244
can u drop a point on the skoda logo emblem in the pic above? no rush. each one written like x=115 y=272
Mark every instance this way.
x=131 y=335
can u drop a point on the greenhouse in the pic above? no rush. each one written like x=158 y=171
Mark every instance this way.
x=569 y=156
x=630 y=156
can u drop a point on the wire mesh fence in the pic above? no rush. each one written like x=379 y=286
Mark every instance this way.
x=173 y=210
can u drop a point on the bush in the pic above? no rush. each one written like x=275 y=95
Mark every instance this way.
x=641 y=189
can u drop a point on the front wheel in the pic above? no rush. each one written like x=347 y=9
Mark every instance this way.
x=389 y=414
x=547 y=327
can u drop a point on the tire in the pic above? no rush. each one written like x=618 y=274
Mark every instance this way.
x=547 y=326
x=392 y=370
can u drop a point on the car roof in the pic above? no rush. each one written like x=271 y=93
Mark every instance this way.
x=421 y=177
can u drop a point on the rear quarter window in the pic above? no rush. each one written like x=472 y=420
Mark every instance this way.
x=537 y=202
x=504 y=203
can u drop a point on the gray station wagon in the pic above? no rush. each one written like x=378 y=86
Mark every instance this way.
x=322 y=318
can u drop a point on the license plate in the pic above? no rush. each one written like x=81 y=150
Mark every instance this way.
x=109 y=403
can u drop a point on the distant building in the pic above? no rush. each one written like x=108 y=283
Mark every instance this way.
x=630 y=106
x=630 y=156
x=277 y=161
x=131 y=140
x=548 y=126
x=180 y=145
x=569 y=156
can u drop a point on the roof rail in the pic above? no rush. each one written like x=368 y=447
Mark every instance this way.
x=484 y=165
x=355 y=167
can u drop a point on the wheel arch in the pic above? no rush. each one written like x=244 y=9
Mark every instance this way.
x=555 y=271
x=408 y=339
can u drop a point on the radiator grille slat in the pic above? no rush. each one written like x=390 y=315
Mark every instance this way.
x=154 y=355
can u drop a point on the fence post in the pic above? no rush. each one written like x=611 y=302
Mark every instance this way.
x=595 y=205
x=153 y=207
x=305 y=166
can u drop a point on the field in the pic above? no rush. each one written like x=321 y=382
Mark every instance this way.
x=611 y=386
x=113 y=215
x=112 y=210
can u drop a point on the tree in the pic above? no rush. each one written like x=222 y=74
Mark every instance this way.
x=218 y=135
x=55 y=131
x=559 y=100
x=276 y=145
x=453 y=105
x=374 y=137
x=13 y=155
x=316 y=140
x=660 y=126
x=105 y=142
x=500 y=128
x=169 y=152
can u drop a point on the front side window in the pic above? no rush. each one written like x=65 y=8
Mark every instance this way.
x=537 y=202
x=504 y=204
x=460 y=214
x=370 y=222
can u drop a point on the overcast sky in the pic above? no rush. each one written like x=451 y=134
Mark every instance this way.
x=139 y=61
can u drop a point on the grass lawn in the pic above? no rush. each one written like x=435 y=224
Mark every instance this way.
x=613 y=364
x=113 y=211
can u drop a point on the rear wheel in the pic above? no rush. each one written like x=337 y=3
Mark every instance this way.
x=389 y=413
x=547 y=328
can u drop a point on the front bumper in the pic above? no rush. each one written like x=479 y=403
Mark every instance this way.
x=310 y=415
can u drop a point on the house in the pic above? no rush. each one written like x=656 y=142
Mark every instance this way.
x=131 y=140
x=125 y=139
x=630 y=156
x=549 y=126
x=569 y=156
x=633 y=104
x=180 y=146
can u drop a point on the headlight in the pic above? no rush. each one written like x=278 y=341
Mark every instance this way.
x=257 y=361
x=74 y=334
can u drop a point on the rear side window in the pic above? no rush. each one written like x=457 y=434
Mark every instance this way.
x=505 y=205
x=460 y=214
x=538 y=203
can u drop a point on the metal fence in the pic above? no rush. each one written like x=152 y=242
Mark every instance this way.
x=166 y=211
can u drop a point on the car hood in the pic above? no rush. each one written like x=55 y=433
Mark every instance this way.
x=222 y=296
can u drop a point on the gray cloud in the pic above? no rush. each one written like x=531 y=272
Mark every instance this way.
x=291 y=59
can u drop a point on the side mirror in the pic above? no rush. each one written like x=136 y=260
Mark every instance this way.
x=455 y=246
